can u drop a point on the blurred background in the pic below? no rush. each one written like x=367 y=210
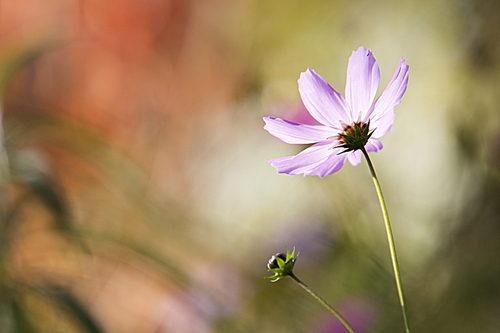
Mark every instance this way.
x=135 y=192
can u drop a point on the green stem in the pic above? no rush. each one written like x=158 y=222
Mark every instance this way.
x=390 y=238
x=323 y=302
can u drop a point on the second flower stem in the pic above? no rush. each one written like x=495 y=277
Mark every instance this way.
x=390 y=239
x=323 y=302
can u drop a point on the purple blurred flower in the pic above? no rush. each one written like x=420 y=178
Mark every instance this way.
x=178 y=313
x=359 y=312
x=295 y=112
x=338 y=115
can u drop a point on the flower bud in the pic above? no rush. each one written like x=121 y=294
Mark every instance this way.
x=281 y=265
x=273 y=262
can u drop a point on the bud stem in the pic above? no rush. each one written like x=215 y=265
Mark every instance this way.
x=323 y=302
x=390 y=238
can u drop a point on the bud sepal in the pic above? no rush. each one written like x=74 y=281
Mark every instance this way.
x=281 y=265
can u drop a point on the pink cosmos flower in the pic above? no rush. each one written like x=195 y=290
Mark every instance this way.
x=339 y=117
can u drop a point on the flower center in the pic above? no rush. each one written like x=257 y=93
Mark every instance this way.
x=354 y=136
x=350 y=130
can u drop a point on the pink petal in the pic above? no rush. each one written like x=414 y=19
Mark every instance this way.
x=355 y=157
x=333 y=164
x=373 y=145
x=383 y=125
x=384 y=105
x=363 y=77
x=305 y=161
x=295 y=133
x=323 y=103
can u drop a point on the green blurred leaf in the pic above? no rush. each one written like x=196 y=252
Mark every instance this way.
x=31 y=168
x=18 y=53
x=54 y=201
x=14 y=316
x=73 y=307
x=22 y=321
x=174 y=272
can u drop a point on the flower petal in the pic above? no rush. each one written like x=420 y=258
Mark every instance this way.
x=332 y=164
x=323 y=103
x=373 y=145
x=295 y=133
x=363 y=78
x=383 y=125
x=305 y=161
x=384 y=105
x=355 y=157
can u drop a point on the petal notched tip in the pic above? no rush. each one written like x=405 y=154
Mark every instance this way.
x=362 y=50
x=382 y=113
x=363 y=77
